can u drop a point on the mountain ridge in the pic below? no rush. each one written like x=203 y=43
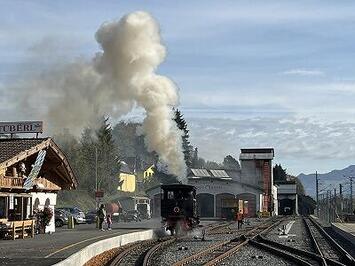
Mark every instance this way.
x=328 y=180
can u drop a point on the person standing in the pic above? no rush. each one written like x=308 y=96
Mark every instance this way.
x=240 y=219
x=109 y=221
x=101 y=214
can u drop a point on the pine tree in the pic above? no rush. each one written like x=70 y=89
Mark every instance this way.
x=108 y=166
x=186 y=147
x=279 y=173
x=86 y=168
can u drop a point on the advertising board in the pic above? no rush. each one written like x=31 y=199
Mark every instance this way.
x=21 y=127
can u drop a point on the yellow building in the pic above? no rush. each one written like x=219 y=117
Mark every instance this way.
x=127 y=179
x=149 y=172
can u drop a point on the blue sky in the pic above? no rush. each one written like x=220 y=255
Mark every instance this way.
x=250 y=73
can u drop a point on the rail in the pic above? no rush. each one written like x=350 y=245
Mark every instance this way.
x=345 y=257
x=129 y=249
x=149 y=255
x=229 y=247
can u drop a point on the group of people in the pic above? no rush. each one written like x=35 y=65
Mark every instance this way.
x=102 y=216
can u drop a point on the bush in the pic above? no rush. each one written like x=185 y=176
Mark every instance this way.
x=44 y=217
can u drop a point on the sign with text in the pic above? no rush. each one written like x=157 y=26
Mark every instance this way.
x=21 y=127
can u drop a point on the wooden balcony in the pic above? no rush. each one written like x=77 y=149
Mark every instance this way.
x=17 y=182
x=11 y=182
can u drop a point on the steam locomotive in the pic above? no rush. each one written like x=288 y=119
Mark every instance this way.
x=178 y=207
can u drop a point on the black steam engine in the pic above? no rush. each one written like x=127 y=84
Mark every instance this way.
x=178 y=207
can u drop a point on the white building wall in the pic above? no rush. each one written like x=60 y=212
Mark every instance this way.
x=44 y=198
x=276 y=204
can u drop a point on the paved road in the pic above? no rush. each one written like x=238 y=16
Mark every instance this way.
x=47 y=249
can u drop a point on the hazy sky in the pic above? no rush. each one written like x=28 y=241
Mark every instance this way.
x=251 y=73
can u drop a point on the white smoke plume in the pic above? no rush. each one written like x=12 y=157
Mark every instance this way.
x=119 y=78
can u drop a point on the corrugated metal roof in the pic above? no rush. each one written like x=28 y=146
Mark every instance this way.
x=219 y=173
x=200 y=172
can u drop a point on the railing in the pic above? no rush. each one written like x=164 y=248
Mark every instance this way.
x=17 y=182
x=11 y=182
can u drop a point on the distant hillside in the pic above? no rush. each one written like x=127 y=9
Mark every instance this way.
x=332 y=178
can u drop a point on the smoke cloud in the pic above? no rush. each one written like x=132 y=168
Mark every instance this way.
x=116 y=80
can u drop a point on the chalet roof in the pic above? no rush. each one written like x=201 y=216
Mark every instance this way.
x=11 y=147
x=15 y=150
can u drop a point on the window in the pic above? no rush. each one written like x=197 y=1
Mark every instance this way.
x=2 y=207
x=170 y=195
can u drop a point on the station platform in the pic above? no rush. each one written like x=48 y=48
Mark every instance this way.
x=48 y=249
x=347 y=230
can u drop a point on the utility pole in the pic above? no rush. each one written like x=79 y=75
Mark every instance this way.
x=351 y=194
x=96 y=184
x=317 y=194
x=341 y=197
x=328 y=207
x=335 y=205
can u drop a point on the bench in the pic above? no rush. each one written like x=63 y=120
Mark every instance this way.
x=20 y=229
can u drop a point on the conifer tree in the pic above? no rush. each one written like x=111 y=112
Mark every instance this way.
x=279 y=173
x=86 y=168
x=108 y=166
x=186 y=147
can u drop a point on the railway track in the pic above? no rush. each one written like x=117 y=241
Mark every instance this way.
x=325 y=246
x=140 y=253
x=131 y=252
x=134 y=254
x=326 y=250
x=224 y=249
x=220 y=228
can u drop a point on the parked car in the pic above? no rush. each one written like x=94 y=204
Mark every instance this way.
x=60 y=217
x=349 y=217
x=78 y=214
x=90 y=216
x=131 y=215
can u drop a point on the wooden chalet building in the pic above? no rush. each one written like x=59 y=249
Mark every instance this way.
x=40 y=160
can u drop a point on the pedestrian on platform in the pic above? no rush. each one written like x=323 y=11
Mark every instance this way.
x=240 y=219
x=109 y=221
x=101 y=214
